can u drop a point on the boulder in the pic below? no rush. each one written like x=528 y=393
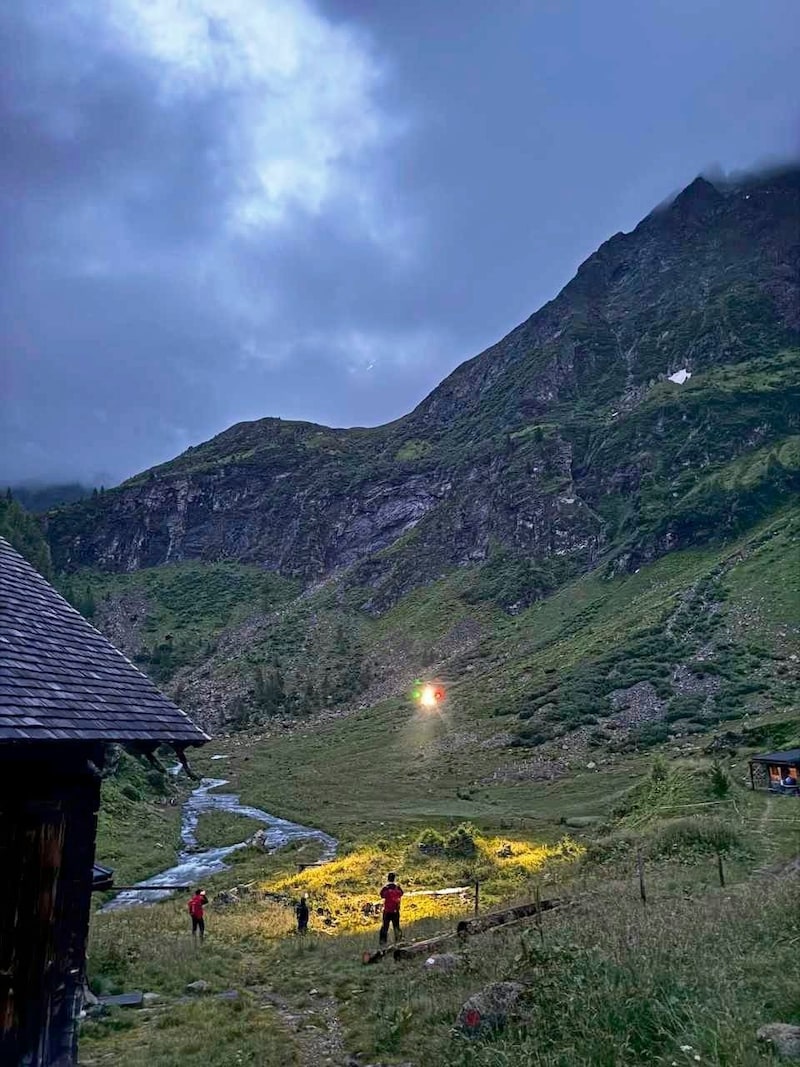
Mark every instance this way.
x=259 y=841
x=151 y=998
x=225 y=897
x=445 y=961
x=198 y=988
x=94 y=1011
x=784 y=1038
x=489 y=1010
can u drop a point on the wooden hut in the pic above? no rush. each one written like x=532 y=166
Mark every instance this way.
x=65 y=694
x=774 y=767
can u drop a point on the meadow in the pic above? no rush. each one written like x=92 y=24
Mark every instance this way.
x=685 y=978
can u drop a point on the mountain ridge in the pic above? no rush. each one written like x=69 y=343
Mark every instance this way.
x=285 y=570
x=504 y=449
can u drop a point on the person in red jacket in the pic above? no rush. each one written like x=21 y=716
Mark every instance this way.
x=391 y=894
x=196 y=906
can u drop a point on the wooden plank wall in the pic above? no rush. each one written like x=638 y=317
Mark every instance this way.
x=48 y=818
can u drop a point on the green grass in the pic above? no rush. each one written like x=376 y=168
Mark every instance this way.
x=138 y=829
x=179 y=610
x=211 y=1033
x=608 y=981
x=216 y=828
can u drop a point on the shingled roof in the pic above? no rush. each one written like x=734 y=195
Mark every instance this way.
x=61 y=680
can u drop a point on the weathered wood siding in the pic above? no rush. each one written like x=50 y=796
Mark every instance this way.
x=48 y=818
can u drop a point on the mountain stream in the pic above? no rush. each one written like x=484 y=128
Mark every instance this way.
x=195 y=864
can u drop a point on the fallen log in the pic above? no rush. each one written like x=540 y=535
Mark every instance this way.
x=379 y=953
x=416 y=948
x=467 y=927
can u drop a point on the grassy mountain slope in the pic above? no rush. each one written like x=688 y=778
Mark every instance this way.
x=562 y=442
x=602 y=569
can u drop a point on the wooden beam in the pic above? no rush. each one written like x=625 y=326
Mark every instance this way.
x=499 y=918
x=416 y=948
x=466 y=928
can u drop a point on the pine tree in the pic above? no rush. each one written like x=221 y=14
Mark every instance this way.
x=88 y=603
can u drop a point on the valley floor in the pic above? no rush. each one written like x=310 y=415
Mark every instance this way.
x=687 y=978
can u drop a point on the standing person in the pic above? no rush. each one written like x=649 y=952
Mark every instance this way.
x=301 y=911
x=196 y=906
x=391 y=894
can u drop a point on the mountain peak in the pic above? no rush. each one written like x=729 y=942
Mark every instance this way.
x=697 y=197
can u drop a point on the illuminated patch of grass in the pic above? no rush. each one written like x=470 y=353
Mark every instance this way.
x=347 y=889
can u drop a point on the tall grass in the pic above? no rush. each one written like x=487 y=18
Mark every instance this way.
x=609 y=982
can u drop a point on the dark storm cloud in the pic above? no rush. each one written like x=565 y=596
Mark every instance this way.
x=227 y=209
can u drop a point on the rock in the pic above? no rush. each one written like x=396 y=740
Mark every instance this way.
x=446 y=961
x=784 y=1038
x=226 y=897
x=590 y=766
x=489 y=1010
x=259 y=841
x=505 y=851
x=94 y=1011
x=151 y=998
x=198 y=988
x=123 y=1000
x=228 y=994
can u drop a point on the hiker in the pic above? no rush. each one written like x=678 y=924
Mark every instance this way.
x=196 y=905
x=301 y=911
x=788 y=782
x=391 y=895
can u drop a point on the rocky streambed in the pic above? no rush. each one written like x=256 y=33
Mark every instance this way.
x=195 y=864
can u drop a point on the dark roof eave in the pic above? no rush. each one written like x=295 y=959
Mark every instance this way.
x=790 y=758
x=38 y=739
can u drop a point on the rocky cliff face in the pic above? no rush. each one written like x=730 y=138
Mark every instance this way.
x=561 y=441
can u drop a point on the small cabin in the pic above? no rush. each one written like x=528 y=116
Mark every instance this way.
x=774 y=768
x=66 y=694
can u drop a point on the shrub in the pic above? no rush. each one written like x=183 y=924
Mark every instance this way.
x=431 y=843
x=652 y=733
x=461 y=841
x=692 y=836
x=611 y=848
x=719 y=783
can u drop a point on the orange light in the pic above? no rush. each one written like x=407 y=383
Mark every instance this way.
x=427 y=697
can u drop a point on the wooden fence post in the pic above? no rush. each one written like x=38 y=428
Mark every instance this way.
x=640 y=869
x=538 y=899
x=720 y=870
x=477 y=895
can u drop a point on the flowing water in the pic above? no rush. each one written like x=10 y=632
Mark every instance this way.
x=196 y=864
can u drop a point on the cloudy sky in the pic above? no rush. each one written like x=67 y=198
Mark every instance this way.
x=217 y=210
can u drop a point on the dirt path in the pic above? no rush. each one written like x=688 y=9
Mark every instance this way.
x=317 y=1030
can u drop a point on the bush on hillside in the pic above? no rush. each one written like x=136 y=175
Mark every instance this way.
x=681 y=839
x=691 y=837
x=612 y=848
x=459 y=842
x=431 y=843
x=719 y=782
